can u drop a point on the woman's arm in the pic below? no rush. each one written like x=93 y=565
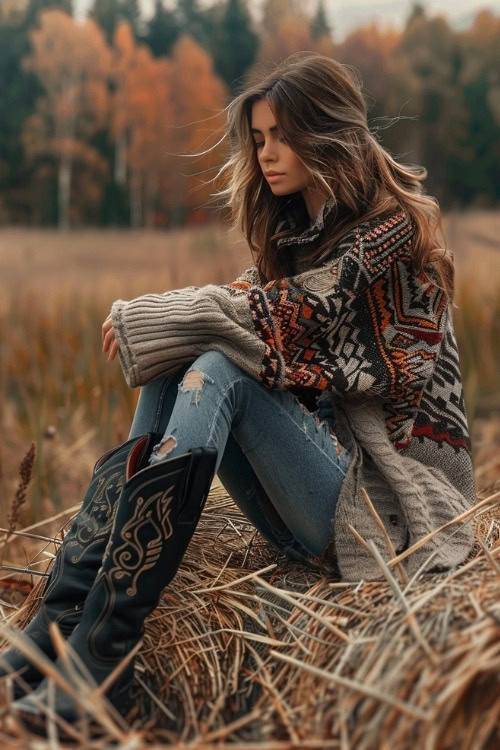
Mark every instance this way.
x=365 y=322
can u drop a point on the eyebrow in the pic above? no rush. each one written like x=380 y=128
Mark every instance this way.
x=255 y=130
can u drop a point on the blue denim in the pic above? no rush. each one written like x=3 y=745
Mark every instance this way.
x=277 y=460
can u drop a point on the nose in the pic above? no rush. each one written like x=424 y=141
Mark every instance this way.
x=268 y=152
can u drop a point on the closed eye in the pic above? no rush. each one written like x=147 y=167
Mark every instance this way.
x=259 y=145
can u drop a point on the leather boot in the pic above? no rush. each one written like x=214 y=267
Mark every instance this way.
x=78 y=558
x=156 y=516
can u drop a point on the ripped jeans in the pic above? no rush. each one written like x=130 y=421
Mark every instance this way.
x=277 y=460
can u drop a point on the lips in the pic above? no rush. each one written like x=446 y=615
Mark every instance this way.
x=274 y=174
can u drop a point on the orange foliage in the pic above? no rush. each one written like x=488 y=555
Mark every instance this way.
x=72 y=62
x=375 y=52
x=141 y=119
x=289 y=34
x=198 y=99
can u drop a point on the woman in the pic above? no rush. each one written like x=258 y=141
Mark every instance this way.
x=328 y=366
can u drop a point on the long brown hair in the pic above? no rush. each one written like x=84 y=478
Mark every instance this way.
x=321 y=111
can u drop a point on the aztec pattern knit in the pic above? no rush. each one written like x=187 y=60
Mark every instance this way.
x=374 y=336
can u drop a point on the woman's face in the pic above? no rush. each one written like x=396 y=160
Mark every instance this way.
x=274 y=154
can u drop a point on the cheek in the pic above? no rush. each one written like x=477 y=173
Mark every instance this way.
x=295 y=165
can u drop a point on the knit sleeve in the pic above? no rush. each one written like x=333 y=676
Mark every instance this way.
x=363 y=322
x=270 y=331
x=250 y=275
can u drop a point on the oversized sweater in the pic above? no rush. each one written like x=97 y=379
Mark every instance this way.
x=372 y=335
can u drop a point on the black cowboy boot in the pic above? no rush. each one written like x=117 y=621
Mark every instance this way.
x=158 y=511
x=78 y=558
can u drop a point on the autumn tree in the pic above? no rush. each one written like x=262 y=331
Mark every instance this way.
x=389 y=86
x=124 y=60
x=163 y=109
x=273 y=11
x=285 y=30
x=199 y=97
x=72 y=63
x=141 y=122
x=432 y=54
x=12 y=11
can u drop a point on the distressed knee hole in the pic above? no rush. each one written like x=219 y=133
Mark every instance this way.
x=167 y=446
x=194 y=380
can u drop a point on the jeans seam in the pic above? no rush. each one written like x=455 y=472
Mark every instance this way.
x=217 y=408
x=305 y=433
x=249 y=380
x=165 y=385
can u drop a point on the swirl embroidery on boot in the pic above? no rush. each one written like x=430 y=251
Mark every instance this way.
x=91 y=528
x=151 y=518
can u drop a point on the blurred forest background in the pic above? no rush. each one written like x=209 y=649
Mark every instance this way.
x=95 y=112
x=101 y=198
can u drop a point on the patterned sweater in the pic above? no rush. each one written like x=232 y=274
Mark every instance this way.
x=375 y=340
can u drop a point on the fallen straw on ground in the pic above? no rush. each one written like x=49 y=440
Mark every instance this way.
x=248 y=650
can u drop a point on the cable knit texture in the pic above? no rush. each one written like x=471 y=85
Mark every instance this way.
x=364 y=333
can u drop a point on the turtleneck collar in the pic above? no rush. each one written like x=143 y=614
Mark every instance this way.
x=308 y=234
x=324 y=210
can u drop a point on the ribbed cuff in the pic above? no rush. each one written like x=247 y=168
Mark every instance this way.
x=125 y=353
x=158 y=333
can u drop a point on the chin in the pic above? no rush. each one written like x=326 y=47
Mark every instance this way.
x=281 y=190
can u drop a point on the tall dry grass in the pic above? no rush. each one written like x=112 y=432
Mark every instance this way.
x=56 y=387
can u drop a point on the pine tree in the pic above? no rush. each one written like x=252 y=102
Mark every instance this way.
x=319 y=24
x=417 y=11
x=238 y=44
x=129 y=11
x=20 y=89
x=162 y=30
x=190 y=20
x=107 y=13
x=35 y=6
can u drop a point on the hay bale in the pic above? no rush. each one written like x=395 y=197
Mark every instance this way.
x=248 y=649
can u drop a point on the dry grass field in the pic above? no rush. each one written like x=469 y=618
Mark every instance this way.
x=58 y=392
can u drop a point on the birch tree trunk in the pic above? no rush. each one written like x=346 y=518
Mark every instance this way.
x=121 y=158
x=136 y=200
x=64 y=191
x=151 y=199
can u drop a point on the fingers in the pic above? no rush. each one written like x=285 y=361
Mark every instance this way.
x=106 y=327
x=108 y=339
x=113 y=350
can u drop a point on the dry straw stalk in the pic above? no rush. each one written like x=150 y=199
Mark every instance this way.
x=248 y=650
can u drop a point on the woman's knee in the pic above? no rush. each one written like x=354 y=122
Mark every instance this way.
x=210 y=365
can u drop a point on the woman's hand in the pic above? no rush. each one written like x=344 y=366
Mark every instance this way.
x=109 y=339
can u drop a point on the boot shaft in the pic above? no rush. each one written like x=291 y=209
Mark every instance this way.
x=157 y=515
x=80 y=555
